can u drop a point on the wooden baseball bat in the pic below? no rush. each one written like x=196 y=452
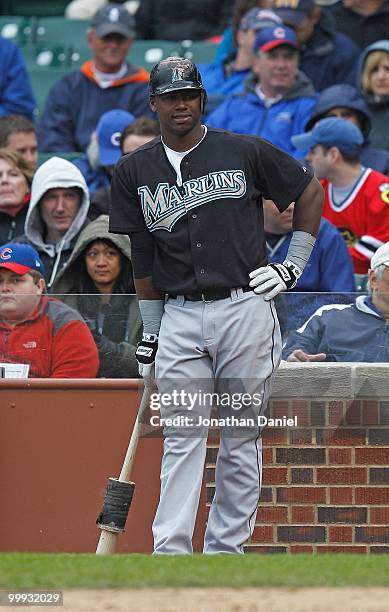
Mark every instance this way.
x=119 y=491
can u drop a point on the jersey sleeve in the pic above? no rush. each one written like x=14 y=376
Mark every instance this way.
x=283 y=177
x=126 y=217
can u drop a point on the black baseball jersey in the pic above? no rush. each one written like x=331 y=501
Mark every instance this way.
x=209 y=232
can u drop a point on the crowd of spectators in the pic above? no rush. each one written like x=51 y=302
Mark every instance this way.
x=310 y=76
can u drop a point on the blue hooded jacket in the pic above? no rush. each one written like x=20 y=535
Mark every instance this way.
x=348 y=96
x=246 y=113
x=16 y=95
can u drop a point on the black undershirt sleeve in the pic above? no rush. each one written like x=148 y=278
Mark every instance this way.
x=126 y=217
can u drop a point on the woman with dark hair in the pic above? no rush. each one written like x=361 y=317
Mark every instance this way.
x=15 y=186
x=97 y=281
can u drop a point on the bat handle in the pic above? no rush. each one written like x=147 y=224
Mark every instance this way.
x=107 y=543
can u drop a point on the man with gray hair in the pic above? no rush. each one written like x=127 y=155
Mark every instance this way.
x=76 y=102
x=348 y=332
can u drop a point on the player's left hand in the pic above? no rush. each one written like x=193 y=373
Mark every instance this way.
x=274 y=278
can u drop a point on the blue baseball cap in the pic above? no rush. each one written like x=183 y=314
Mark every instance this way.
x=270 y=38
x=20 y=258
x=293 y=11
x=109 y=130
x=257 y=18
x=331 y=132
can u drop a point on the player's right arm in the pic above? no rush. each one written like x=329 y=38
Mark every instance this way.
x=126 y=216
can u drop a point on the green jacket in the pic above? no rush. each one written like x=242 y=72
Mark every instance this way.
x=116 y=326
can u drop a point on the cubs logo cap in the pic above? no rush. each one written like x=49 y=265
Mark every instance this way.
x=380 y=257
x=293 y=11
x=257 y=19
x=109 y=130
x=331 y=132
x=113 y=19
x=20 y=258
x=277 y=36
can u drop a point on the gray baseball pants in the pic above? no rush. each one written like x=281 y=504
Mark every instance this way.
x=232 y=346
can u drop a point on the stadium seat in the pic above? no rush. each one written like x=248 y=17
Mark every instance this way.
x=361 y=281
x=59 y=30
x=69 y=155
x=46 y=56
x=199 y=51
x=35 y=7
x=42 y=79
x=20 y=30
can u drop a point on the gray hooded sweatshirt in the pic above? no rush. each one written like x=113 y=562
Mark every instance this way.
x=54 y=173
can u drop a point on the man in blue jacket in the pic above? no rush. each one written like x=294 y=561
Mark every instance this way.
x=16 y=95
x=278 y=98
x=76 y=102
x=353 y=332
x=222 y=78
x=327 y=57
x=329 y=268
x=346 y=102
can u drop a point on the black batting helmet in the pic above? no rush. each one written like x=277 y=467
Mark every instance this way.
x=173 y=74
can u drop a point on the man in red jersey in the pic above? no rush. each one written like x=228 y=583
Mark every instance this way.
x=356 y=198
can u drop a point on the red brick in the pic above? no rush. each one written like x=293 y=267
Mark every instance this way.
x=307 y=495
x=340 y=534
x=379 y=516
x=278 y=409
x=272 y=514
x=266 y=549
x=266 y=495
x=211 y=455
x=301 y=475
x=275 y=475
x=341 y=436
x=209 y=474
x=335 y=413
x=380 y=435
x=370 y=535
x=341 y=475
x=301 y=533
x=300 y=409
x=379 y=475
x=342 y=549
x=267 y=456
x=301 y=456
x=372 y=495
x=300 y=436
x=341 y=495
x=303 y=514
x=372 y=456
x=353 y=413
x=353 y=514
x=369 y=412
x=295 y=548
x=340 y=456
x=274 y=435
x=262 y=533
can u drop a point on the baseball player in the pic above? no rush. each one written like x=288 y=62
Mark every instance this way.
x=191 y=202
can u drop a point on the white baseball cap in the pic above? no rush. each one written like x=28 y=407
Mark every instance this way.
x=380 y=257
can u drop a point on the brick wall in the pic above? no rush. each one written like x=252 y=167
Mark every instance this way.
x=325 y=483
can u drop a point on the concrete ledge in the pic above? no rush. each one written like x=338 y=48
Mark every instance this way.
x=331 y=380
